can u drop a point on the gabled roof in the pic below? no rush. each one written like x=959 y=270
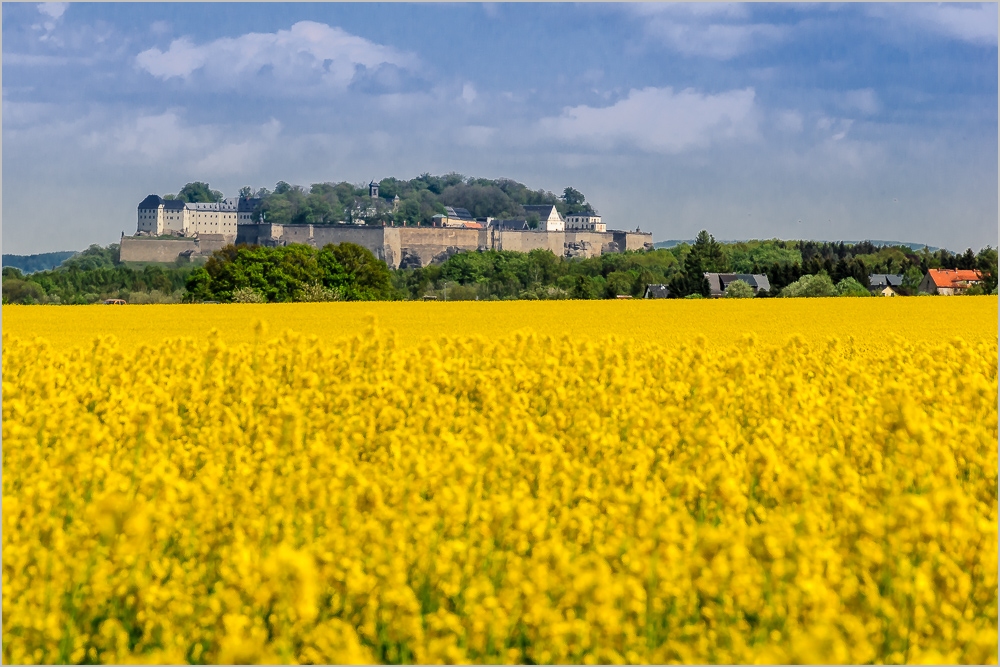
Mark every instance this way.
x=948 y=277
x=156 y=201
x=758 y=280
x=718 y=282
x=882 y=279
x=507 y=225
x=247 y=205
x=656 y=292
x=152 y=201
x=458 y=213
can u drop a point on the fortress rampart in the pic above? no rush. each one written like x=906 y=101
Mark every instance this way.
x=407 y=247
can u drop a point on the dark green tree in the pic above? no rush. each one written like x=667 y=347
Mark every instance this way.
x=709 y=252
x=199 y=192
x=986 y=262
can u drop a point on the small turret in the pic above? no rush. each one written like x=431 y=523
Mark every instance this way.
x=373 y=190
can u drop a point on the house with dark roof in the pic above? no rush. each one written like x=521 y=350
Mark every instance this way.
x=549 y=219
x=878 y=282
x=657 y=292
x=718 y=282
x=949 y=282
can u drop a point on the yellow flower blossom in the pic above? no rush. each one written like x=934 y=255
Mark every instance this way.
x=529 y=494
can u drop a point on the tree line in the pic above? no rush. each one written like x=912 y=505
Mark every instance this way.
x=350 y=272
x=296 y=272
x=94 y=275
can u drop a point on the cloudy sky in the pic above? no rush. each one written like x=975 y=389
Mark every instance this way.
x=752 y=121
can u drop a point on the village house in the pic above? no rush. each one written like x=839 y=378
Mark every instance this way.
x=885 y=284
x=888 y=290
x=718 y=282
x=656 y=292
x=949 y=282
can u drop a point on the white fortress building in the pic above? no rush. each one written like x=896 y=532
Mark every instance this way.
x=549 y=219
x=159 y=216
x=172 y=230
x=589 y=222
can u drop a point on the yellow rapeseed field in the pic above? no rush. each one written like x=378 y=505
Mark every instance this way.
x=808 y=480
x=723 y=322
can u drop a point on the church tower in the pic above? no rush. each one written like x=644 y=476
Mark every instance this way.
x=373 y=190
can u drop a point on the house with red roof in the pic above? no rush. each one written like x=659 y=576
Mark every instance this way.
x=949 y=282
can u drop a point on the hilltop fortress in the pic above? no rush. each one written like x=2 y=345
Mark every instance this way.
x=170 y=229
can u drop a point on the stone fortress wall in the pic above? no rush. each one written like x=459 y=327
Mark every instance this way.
x=411 y=247
x=407 y=247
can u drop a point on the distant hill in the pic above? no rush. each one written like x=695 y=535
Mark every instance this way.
x=41 y=262
x=912 y=246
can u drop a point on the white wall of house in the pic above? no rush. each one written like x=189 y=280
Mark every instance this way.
x=583 y=222
x=204 y=220
x=151 y=220
x=554 y=223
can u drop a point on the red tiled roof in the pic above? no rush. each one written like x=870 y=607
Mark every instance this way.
x=948 y=277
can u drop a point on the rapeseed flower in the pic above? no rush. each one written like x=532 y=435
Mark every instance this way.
x=521 y=498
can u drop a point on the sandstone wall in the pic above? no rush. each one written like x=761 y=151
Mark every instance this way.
x=257 y=233
x=209 y=243
x=155 y=250
x=633 y=240
x=406 y=247
x=420 y=246
x=528 y=240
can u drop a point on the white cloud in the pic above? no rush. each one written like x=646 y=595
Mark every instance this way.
x=976 y=24
x=469 y=93
x=240 y=157
x=789 y=121
x=864 y=100
x=308 y=54
x=714 y=30
x=476 y=136
x=970 y=24
x=41 y=60
x=838 y=126
x=165 y=139
x=53 y=9
x=687 y=10
x=658 y=120
x=718 y=41
x=159 y=27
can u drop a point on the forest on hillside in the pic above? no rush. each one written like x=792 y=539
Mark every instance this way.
x=349 y=272
x=420 y=199
x=40 y=262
